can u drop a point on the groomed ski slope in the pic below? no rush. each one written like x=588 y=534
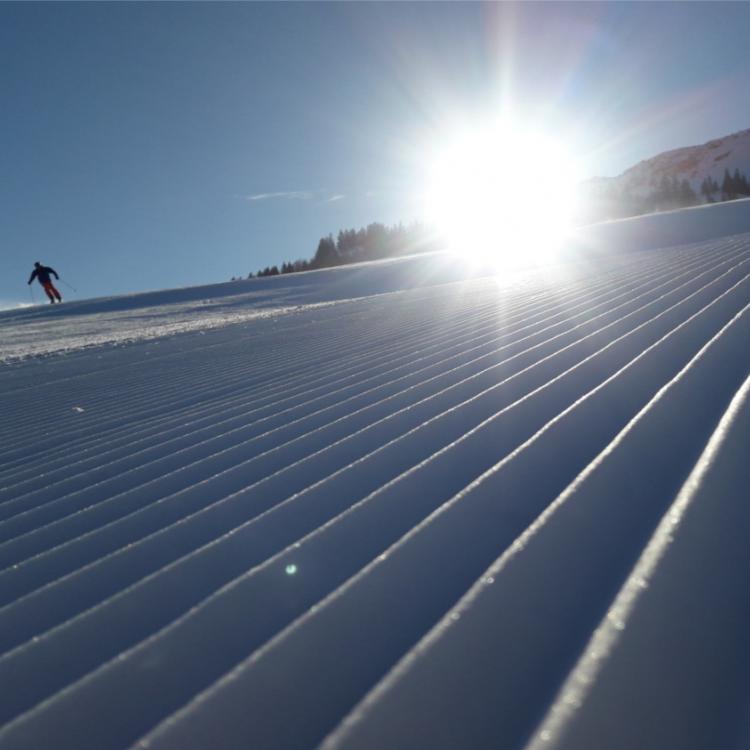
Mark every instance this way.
x=379 y=507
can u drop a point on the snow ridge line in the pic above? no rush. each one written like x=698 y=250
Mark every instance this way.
x=119 y=477
x=220 y=702
x=450 y=655
x=13 y=573
x=230 y=384
x=350 y=498
x=569 y=716
x=89 y=482
x=257 y=406
x=68 y=435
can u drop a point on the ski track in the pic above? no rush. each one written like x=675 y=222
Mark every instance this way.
x=459 y=515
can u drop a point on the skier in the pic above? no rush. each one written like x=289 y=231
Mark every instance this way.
x=42 y=273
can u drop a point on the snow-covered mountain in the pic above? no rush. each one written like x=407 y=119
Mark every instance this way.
x=691 y=163
x=380 y=506
x=681 y=177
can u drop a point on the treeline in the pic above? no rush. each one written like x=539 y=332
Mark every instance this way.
x=670 y=194
x=673 y=194
x=374 y=242
x=732 y=187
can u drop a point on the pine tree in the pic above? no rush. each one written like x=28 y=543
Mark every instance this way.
x=326 y=254
x=739 y=184
x=727 y=187
x=687 y=195
x=666 y=194
x=301 y=265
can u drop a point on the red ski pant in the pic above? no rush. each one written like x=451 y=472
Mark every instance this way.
x=52 y=293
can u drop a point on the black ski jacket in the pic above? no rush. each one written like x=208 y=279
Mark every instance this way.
x=42 y=273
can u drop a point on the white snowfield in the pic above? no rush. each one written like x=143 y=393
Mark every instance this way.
x=379 y=507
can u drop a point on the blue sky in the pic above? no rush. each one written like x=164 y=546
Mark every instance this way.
x=158 y=145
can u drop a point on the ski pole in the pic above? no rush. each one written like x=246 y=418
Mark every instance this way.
x=69 y=286
x=31 y=292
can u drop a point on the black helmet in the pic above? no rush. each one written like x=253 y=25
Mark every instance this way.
x=37 y=263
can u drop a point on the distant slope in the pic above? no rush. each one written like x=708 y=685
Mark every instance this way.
x=715 y=171
x=691 y=163
x=664 y=229
x=46 y=329
x=383 y=509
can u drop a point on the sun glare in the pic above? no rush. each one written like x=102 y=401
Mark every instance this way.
x=501 y=196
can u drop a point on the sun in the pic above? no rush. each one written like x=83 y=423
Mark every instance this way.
x=501 y=195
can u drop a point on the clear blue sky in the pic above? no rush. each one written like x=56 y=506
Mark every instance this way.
x=159 y=145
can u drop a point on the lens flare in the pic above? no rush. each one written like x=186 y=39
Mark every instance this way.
x=501 y=196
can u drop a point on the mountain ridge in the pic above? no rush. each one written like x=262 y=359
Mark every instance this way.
x=689 y=175
x=693 y=163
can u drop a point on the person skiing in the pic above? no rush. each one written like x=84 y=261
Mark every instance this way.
x=43 y=274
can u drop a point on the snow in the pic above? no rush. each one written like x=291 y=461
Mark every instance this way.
x=47 y=329
x=691 y=163
x=387 y=505
x=659 y=230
